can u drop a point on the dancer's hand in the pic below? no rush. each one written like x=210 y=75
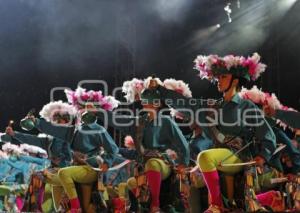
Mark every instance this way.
x=9 y=130
x=260 y=161
x=79 y=158
x=31 y=117
x=104 y=167
x=291 y=177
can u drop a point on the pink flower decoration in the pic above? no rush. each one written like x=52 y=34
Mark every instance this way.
x=107 y=106
x=80 y=96
x=205 y=63
x=179 y=90
x=128 y=142
x=85 y=97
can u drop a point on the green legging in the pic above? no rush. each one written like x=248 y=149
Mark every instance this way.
x=79 y=174
x=210 y=160
x=66 y=177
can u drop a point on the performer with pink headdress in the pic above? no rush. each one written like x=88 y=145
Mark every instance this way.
x=86 y=140
x=231 y=73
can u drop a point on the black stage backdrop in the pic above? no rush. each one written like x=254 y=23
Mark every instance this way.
x=56 y=43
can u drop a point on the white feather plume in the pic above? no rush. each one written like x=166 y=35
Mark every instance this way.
x=178 y=86
x=254 y=94
x=26 y=148
x=133 y=89
x=9 y=147
x=57 y=107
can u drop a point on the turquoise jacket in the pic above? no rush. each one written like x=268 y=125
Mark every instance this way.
x=230 y=112
x=87 y=139
x=55 y=147
x=159 y=134
x=21 y=165
x=291 y=118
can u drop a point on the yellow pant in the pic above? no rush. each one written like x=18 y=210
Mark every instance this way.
x=152 y=164
x=210 y=160
x=79 y=174
x=53 y=179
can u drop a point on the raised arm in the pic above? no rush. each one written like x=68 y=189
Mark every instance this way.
x=289 y=117
x=31 y=139
x=62 y=132
x=261 y=130
x=110 y=148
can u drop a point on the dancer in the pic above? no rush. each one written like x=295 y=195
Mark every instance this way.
x=231 y=73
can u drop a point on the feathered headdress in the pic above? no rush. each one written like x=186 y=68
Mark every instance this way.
x=26 y=148
x=57 y=108
x=178 y=86
x=9 y=147
x=261 y=98
x=210 y=66
x=80 y=98
x=134 y=88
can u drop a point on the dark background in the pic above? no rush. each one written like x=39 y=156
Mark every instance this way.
x=50 y=43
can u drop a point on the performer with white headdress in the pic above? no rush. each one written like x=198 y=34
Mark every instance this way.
x=59 y=152
x=153 y=134
x=59 y=113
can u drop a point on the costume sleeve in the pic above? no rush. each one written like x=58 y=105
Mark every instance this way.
x=291 y=118
x=110 y=148
x=261 y=130
x=64 y=133
x=31 y=140
x=178 y=142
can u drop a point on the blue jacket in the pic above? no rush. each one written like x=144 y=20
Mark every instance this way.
x=230 y=112
x=160 y=134
x=25 y=165
x=55 y=147
x=86 y=139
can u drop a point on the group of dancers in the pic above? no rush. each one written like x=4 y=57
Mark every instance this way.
x=244 y=130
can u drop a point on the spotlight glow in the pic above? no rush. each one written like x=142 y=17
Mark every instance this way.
x=286 y=4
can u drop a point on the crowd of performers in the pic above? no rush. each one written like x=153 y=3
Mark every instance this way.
x=236 y=154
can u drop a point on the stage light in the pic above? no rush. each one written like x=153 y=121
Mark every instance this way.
x=228 y=12
x=218 y=25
